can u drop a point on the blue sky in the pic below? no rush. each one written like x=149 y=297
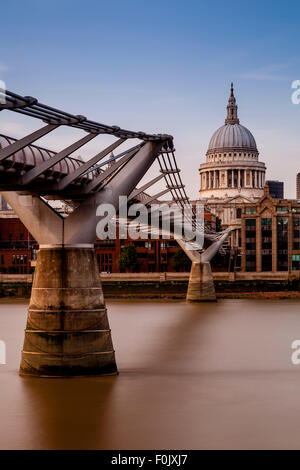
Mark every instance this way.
x=161 y=66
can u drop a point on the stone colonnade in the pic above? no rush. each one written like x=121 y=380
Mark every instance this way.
x=232 y=178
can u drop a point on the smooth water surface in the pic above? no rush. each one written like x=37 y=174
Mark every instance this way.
x=191 y=377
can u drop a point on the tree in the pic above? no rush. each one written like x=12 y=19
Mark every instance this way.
x=181 y=261
x=128 y=259
x=218 y=224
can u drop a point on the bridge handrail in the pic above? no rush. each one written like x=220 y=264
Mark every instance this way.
x=32 y=107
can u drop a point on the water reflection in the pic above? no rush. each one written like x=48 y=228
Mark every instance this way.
x=69 y=413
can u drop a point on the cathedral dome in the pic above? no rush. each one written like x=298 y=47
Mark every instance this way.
x=232 y=136
x=232 y=168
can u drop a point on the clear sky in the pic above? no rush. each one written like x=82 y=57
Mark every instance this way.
x=161 y=66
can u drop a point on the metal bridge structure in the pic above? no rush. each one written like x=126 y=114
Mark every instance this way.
x=67 y=331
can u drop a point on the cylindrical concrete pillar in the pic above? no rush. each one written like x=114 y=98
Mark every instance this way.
x=67 y=331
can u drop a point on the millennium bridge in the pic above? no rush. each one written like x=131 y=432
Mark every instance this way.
x=67 y=331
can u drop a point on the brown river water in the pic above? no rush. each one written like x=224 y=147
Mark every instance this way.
x=207 y=376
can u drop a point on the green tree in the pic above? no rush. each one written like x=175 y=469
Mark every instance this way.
x=181 y=261
x=218 y=224
x=128 y=259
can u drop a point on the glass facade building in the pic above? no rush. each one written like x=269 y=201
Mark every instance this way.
x=276 y=189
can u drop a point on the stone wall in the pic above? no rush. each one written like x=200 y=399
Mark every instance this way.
x=168 y=287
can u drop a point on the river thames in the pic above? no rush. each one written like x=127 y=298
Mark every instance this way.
x=192 y=376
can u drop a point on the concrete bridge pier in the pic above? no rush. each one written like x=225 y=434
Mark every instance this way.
x=201 y=284
x=67 y=331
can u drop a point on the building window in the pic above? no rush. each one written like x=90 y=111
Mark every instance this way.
x=282 y=210
x=250 y=210
x=295 y=262
x=282 y=244
x=105 y=262
x=251 y=223
x=266 y=244
x=250 y=262
x=239 y=213
x=296 y=222
x=250 y=244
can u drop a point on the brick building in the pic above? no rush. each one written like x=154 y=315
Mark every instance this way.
x=153 y=255
x=271 y=235
x=18 y=248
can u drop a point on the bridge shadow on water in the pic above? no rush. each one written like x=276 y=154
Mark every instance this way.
x=169 y=341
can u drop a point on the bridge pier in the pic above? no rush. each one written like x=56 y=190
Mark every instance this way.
x=201 y=284
x=67 y=331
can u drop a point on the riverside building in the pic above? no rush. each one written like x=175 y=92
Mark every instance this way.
x=270 y=235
